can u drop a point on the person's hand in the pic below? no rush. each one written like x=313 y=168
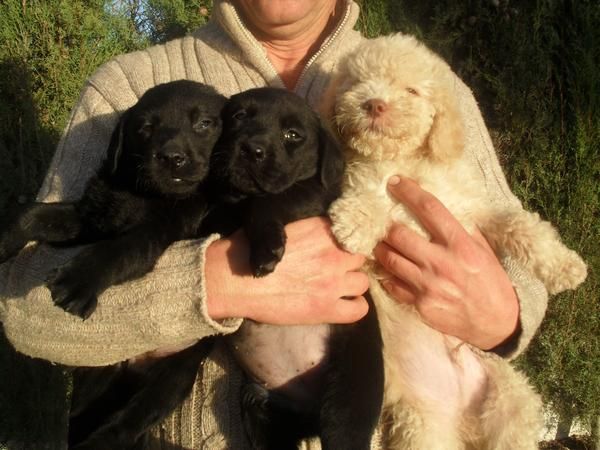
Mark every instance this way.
x=315 y=282
x=455 y=281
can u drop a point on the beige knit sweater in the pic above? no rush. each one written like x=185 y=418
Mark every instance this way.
x=167 y=307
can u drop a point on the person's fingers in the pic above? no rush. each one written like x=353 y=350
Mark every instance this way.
x=431 y=213
x=398 y=265
x=348 y=310
x=399 y=290
x=409 y=244
x=318 y=231
x=355 y=284
x=352 y=261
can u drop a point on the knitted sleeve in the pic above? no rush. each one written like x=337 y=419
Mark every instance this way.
x=533 y=297
x=166 y=308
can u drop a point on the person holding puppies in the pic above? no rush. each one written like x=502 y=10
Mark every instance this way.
x=201 y=288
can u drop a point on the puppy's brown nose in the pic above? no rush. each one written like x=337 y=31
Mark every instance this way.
x=375 y=107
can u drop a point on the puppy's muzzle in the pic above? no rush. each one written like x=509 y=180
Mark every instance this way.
x=180 y=163
x=173 y=160
x=375 y=107
x=253 y=151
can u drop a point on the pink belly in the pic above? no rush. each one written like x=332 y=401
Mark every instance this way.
x=289 y=359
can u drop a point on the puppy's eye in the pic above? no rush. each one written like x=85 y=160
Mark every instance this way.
x=412 y=91
x=291 y=135
x=202 y=124
x=146 y=129
x=240 y=115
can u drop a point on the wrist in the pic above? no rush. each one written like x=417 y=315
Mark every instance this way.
x=508 y=322
x=510 y=344
x=227 y=278
x=217 y=279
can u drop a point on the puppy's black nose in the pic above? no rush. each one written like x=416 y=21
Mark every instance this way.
x=254 y=152
x=174 y=159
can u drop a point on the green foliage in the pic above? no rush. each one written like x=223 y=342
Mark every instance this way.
x=175 y=18
x=162 y=20
x=48 y=50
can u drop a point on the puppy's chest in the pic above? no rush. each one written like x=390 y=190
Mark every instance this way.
x=274 y=355
x=453 y=184
x=112 y=211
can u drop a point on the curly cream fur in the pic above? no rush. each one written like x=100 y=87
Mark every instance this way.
x=440 y=393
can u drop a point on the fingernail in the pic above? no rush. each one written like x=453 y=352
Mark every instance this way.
x=387 y=285
x=395 y=179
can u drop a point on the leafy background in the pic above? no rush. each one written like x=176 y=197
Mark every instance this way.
x=533 y=67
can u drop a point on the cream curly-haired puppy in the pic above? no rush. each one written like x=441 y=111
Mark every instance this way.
x=392 y=104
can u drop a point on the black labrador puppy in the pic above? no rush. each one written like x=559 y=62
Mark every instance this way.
x=276 y=163
x=148 y=193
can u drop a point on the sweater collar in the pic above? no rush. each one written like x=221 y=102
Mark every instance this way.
x=225 y=14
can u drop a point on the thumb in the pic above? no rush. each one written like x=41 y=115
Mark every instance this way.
x=349 y=310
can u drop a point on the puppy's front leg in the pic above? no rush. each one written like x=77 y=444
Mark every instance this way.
x=167 y=382
x=266 y=234
x=354 y=393
x=43 y=222
x=360 y=220
x=536 y=244
x=76 y=285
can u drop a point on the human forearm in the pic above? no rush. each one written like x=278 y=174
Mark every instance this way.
x=165 y=308
x=532 y=296
x=533 y=301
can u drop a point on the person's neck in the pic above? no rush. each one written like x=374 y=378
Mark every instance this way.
x=290 y=47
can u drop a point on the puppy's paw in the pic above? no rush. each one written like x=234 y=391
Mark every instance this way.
x=266 y=254
x=358 y=223
x=254 y=396
x=354 y=239
x=72 y=291
x=263 y=260
x=569 y=274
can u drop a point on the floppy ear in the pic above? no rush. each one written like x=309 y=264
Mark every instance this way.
x=446 y=137
x=115 y=147
x=331 y=158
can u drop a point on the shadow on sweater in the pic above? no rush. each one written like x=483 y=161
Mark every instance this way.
x=33 y=402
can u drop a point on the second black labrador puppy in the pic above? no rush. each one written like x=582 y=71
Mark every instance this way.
x=148 y=194
x=276 y=163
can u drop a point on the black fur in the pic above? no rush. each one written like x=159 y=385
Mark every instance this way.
x=148 y=193
x=113 y=407
x=276 y=163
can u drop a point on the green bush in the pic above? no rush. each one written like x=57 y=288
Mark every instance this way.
x=48 y=49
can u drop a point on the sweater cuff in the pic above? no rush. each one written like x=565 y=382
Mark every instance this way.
x=533 y=301
x=225 y=326
x=165 y=308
